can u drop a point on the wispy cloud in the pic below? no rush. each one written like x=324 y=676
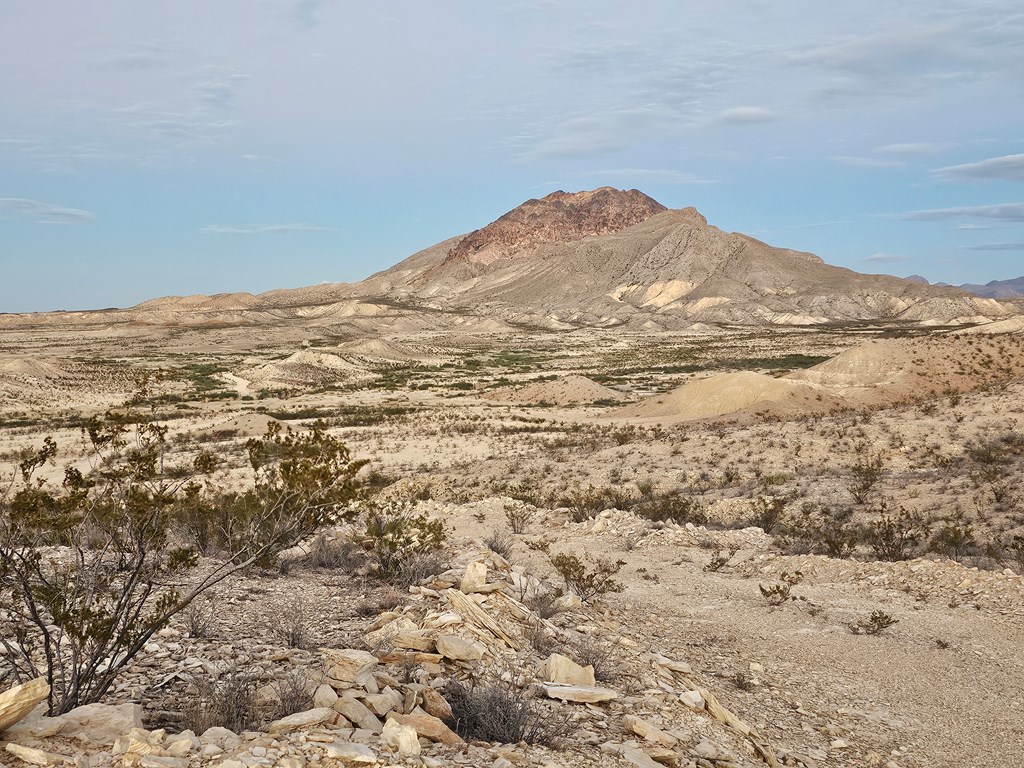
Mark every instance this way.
x=43 y=213
x=1005 y=168
x=661 y=175
x=1001 y=212
x=869 y=162
x=914 y=149
x=885 y=258
x=745 y=116
x=996 y=247
x=271 y=229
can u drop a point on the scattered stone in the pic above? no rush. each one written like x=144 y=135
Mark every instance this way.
x=637 y=757
x=429 y=726
x=650 y=732
x=693 y=700
x=349 y=667
x=476 y=577
x=34 y=756
x=358 y=713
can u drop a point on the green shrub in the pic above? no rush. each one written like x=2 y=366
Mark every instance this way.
x=400 y=541
x=896 y=536
x=588 y=583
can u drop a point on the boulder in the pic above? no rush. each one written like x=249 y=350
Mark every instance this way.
x=17 y=702
x=435 y=704
x=563 y=670
x=579 y=693
x=324 y=696
x=101 y=723
x=429 y=727
x=300 y=721
x=692 y=699
x=348 y=667
x=402 y=737
x=459 y=649
x=637 y=757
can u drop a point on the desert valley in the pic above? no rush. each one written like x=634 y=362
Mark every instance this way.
x=636 y=492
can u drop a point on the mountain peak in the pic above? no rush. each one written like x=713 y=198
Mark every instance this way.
x=560 y=217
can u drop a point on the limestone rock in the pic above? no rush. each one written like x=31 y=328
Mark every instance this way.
x=17 y=702
x=637 y=757
x=348 y=667
x=402 y=737
x=563 y=670
x=101 y=723
x=579 y=693
x=33 y=756
x=351 y=753
x=300 y=721
x=324 y=696
x=358 y=713
x=429 y=727
x=459 y=649
x=650 y=732
x=476 y=577
x=435 y=704
x=692 y=699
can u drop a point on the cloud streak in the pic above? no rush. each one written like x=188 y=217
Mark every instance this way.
x=43 y=213
x=1005 y=168
x=271 y=229
x=1000 y=212
x=997 y=247
x=885 y=258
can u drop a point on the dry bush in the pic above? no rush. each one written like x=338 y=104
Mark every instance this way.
x=518 y=518
x=294 y=693
x=290 y=624
x=227 y=700
x=501 y=543
x=602 y=656
x=334 y=553
x=506 y=714
x=200 y=617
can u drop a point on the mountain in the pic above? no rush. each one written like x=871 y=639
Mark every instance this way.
x=998 y=289
x=599 y=258
x=610 y=257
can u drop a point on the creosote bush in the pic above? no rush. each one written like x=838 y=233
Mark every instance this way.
x=896 y=536
x=404 y=545
x=90 y=570
x=588 y=582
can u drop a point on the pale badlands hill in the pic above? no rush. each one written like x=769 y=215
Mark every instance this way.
x=602 y=258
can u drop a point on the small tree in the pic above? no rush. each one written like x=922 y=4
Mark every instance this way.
x=90 y=570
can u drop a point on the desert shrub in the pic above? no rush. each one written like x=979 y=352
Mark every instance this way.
x=865 y=474
x=506 y=714
x=227 y=700
x=775 y=594
x=518 y=517
x=769 y=510
x=294 y=693
x=500 y=543
x=954 y=540
x=896 y=536
x=600 y=655
x=719 y=559
x=588 y=583
x=401 y=542
x=875 y=624
x=541 y=639
x=544 y=603
x=672 y=507
x=200 y=617
x=81 y=613
x=587 y=504
x=290 y=624
x=334 y=552
x=821 y=530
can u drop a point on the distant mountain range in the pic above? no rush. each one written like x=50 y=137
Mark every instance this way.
x=998 y=289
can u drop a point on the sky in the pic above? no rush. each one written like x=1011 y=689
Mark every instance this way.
x=202 y=146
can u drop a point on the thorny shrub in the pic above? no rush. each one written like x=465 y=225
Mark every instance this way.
x=588 y=583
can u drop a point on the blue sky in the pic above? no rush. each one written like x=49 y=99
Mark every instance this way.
x=201 y=146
